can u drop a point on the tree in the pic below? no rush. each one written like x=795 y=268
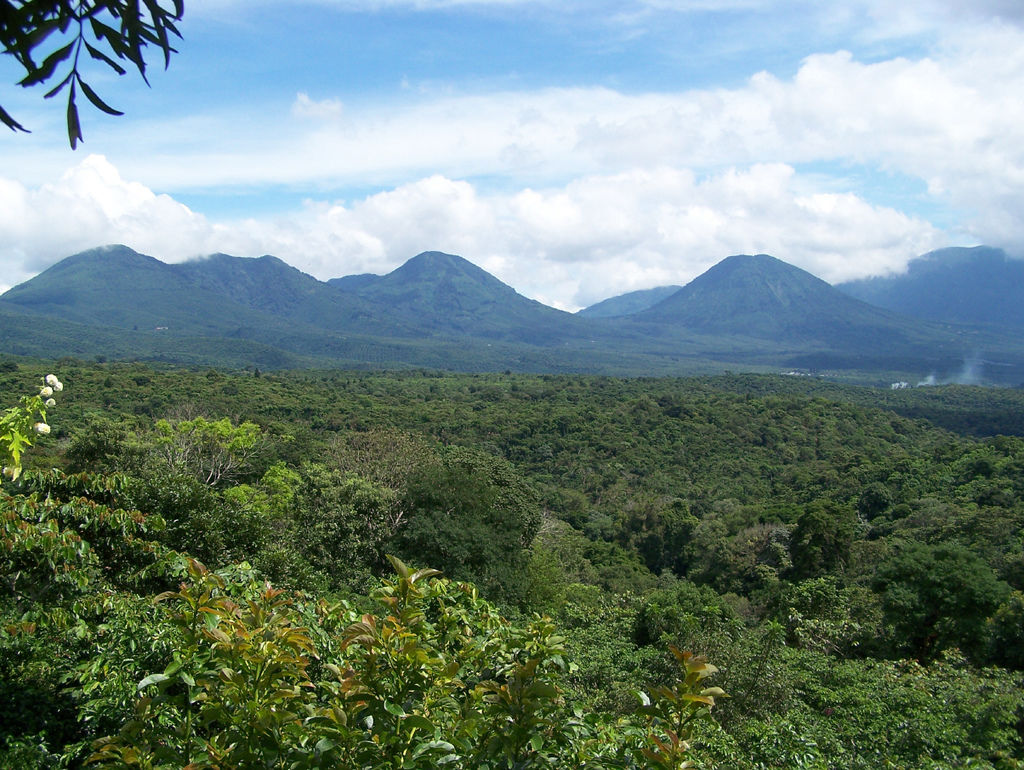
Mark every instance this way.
x=821 y=540
x=938 y=596
x=212 y=451
x=473 y=517
x=341 y=523
x=113 y=32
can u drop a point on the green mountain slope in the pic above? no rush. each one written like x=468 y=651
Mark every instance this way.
x=269 y=285
x=27 y=333
x=449 y=296
x=761 y=296
x=115 y=286
x=804 y=321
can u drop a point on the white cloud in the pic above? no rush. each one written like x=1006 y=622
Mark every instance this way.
x=89 y=205
x=952 y=120
x=569 y=246
x=325 y=109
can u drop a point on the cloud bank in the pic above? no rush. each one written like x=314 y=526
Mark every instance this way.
x=568 y=246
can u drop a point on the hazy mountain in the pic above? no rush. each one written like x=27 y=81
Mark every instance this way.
x=271 y=286
x=353 y=282
x=219 y=295
x=979 y=285
x=628 y=304
x=437 y=310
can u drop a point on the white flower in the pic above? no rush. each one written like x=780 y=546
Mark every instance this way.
x=9 y=472
x=46 y=392
x=53 y=382
x=50 y=402
x=41 y=427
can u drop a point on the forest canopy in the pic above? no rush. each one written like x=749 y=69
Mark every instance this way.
x=237 y=568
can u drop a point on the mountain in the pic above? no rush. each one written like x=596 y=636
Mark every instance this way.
x=979 y=285
x=628 y=304
x=25 y=333
x=269 y=285
x=116 y=286
x=437 y=311
x=257 y=304
x=441 y=311
x=761 y=296
x=804 y=320
x=219 y=295
x=446 y=295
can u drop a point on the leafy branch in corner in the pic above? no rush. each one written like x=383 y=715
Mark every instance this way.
x=45 y=36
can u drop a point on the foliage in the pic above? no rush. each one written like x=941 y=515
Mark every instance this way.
x=821 y=614
x=864 y=714
x=674 y=708
x=936 y=597
x=213 y=451
x=20 y=423
x=257 y=679
x=821 y=541
x=797 y=542
x=105 y=445
x=475 y=517
x=341 y=524
x=113 y=32
x=1006 y=642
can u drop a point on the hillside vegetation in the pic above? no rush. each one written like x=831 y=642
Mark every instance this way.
x=239 y=570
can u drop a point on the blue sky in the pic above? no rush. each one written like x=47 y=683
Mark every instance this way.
x=576 y=149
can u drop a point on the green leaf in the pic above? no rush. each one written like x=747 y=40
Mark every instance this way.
x=542 y=690
x=324 y=744
x=417 y=721
x=423 y=748
x=394 y=708
x=151 y=679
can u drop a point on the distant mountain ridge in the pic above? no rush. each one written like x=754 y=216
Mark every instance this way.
x=979 y=285
x=630 y=303
x=441 y=311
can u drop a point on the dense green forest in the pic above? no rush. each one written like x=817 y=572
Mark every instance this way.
x=418 y=570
